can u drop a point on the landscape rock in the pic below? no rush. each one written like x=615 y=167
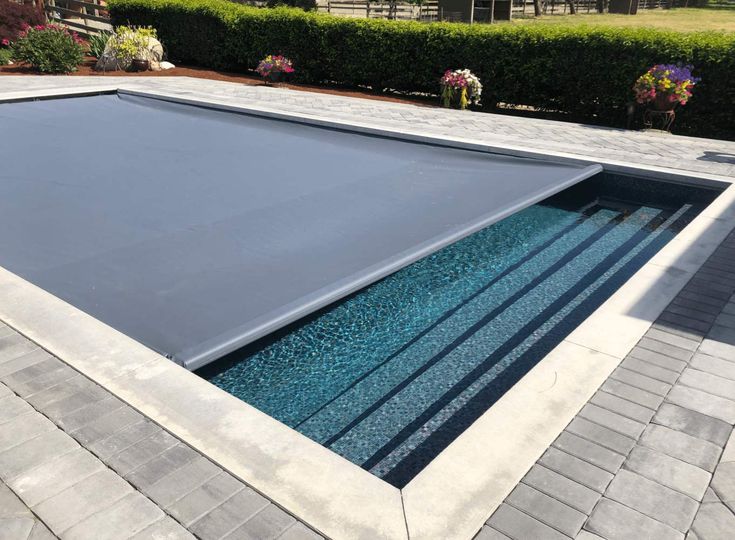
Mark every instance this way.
x=153 y=53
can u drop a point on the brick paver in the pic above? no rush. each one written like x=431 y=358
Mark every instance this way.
x=645 y=458
x=17 y=522
x=90 y=467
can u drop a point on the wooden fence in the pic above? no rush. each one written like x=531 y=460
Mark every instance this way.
x=552 y=7
x=429 y=11
x=91 y=17
x=84 y=16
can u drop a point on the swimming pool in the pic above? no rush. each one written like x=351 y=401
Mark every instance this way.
x=197 y=244
x=390 y=376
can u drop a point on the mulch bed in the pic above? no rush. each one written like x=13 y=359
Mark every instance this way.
x=183 y=71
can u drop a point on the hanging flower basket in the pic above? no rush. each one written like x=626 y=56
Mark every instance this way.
x=664 y=102
x=274 y=68
x=662 y=88
x=459 y=89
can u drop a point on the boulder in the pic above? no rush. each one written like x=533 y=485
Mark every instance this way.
x=153 y=52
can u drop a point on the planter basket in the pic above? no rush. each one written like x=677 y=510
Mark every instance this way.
x=137 y=64
x=663 y=102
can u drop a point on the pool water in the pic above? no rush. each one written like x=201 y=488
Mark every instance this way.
x=390 y=376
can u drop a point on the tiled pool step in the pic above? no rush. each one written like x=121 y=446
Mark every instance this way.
x=646 y=453
x=398 y=416
x=90 y=466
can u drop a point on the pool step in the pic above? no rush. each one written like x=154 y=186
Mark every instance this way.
x=413 y=410
x=389 y=377
x=395 y=371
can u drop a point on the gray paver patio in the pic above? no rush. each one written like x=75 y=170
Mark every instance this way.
x=128 y=478
x=17 y=522
x=655 y=457
x=644 y=458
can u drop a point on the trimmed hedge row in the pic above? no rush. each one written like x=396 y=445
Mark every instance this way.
x=584 y=72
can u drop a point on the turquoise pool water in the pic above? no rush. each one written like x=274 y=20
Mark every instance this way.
x=390 y=376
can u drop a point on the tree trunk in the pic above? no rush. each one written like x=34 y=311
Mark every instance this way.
x=537 y=8
x=572 y=7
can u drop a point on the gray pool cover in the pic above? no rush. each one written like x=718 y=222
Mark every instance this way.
x=197 y=231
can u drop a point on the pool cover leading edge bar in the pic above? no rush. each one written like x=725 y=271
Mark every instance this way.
x=197 y=231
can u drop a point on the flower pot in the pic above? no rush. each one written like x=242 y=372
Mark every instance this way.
x=138 y=64
x=663 y=102
x=274 y=77
x=452 y=99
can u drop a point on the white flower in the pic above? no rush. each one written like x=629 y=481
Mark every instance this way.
x=474 y=87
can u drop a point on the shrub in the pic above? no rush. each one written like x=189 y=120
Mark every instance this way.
x=585 y=73
x=5 y=57
x=97 y=43
x=129 y=43
x=15 y=17
x=308 y=5
x=273 y=64
x=49 y=49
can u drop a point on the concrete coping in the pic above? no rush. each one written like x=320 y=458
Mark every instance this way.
x=457 y=492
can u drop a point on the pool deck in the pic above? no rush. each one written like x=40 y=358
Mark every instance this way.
x=652 y=450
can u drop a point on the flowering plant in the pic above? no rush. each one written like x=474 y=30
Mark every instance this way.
x=128 y=43
x=665 y=85
x=17 y=16
x=274 y=64
x=49 y=48
x=5 y=53
x=460 y=83
x=49 y=28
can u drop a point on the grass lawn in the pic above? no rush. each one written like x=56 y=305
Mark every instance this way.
x=683 y=19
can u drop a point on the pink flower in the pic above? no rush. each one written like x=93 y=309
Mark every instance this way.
x=6 y=42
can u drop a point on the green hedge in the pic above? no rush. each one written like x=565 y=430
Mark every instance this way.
x=583 y=72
